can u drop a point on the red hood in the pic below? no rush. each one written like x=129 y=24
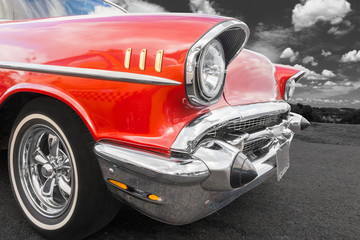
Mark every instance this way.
x=250 y=79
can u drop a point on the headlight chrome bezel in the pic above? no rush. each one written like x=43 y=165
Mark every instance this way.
x=192 y=66
x=210 y=95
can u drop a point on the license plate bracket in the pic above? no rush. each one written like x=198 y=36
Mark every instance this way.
x=282 y=160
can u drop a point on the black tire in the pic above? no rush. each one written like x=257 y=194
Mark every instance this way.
x=64 y=197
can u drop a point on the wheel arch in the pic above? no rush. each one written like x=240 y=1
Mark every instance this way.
x=16 y=97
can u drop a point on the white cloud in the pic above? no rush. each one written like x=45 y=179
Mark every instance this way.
x=336 y=20
x=313 y=76
x=326 y=53
x=336 y=93
x=290 y=54
x=287 y=53
x=266 y=49
x=300 y=85
x=269 y=41
x=329 y=83
x=140 y=6
x=310 y=75
x=310 y=59
x=308 y=12
x=352 y=56
x=337 y=31
x=328 y=73
x=202 y=6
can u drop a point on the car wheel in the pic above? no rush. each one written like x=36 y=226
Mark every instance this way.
x=54 y=172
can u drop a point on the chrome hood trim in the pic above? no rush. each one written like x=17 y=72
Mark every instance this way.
x=190 y=135
x=88 y=73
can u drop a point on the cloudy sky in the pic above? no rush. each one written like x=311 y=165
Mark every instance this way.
x=321 y=37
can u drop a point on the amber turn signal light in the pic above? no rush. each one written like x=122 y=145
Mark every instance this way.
x=154 y=197
x=119 y=184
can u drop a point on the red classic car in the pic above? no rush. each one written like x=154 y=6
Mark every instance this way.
x=167 y=113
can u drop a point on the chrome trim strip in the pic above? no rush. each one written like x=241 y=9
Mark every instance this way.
x=88 y=73
x=115 y=5
x=297 y=76
x=197 y=48
x=190 y=135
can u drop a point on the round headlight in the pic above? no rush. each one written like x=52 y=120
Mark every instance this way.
x=289 y=89
x=212 y=70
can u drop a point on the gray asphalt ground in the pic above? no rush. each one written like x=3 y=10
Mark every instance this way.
x=318 y=198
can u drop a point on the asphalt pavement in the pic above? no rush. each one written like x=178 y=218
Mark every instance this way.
x=318 y=198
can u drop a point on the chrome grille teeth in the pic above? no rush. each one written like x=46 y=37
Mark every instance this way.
x=254 y=145
x=238 y=125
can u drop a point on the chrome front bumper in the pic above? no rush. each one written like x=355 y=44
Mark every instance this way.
x=199 y=179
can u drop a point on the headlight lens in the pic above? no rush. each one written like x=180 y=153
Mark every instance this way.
x=289 y=89
x=212 y=69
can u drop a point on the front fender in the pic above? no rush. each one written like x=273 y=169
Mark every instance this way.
x=54 y=93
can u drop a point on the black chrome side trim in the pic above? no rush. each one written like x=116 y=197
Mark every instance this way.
x=88 y=73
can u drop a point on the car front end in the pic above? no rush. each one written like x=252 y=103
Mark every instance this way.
x=221 y=153
x=215 y=159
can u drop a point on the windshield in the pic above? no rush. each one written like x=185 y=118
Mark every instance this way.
x=30 y=9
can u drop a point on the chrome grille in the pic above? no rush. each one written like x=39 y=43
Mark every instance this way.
x=239 y=126
x=254 y=145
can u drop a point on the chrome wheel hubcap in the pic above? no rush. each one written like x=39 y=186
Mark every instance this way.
x=46 y=171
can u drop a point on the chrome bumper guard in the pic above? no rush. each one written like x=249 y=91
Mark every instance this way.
x=188 y=186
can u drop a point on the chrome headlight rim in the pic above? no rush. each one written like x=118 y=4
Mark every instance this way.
x=193 y=93
x=206 y=95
